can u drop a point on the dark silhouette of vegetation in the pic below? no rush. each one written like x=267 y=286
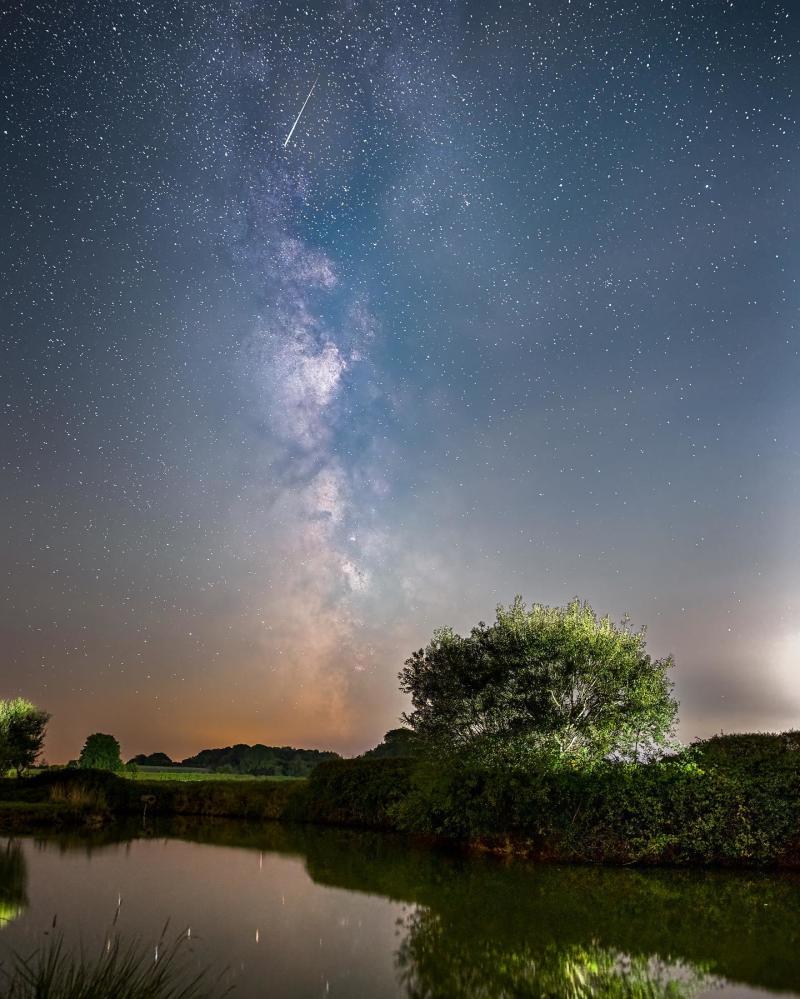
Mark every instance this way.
x=124 y=971
x=398 y=743
x=22 y=732
x=748 y=750
x=545 y=682
x=260 y=760
x=357 y=792
x=152 y=760
x=100 y=752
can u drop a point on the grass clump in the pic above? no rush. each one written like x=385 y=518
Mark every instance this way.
x=121 y=971
x=79 y=796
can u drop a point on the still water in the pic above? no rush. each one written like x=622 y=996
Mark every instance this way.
x=285 y=912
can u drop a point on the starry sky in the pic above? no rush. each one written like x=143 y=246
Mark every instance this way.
x=515 y=310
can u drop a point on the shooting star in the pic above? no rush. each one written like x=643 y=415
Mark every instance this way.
x=302 y=109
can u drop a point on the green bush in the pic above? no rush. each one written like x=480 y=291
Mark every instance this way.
x=748 y=750
x=361 y=792
x=671 y=811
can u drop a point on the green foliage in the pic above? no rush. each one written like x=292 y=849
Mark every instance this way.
x=124 y=972
x=22 y=732
x=398 y=743
x=557 y=682
x=747 y=750
x=243 y=799
x=671 y=811
x=100 y=752
x=13 y=882
x=360 y=792
x=667 y=811
x=240 y=798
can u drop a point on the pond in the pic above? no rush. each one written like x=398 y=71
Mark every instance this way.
x=302 y=912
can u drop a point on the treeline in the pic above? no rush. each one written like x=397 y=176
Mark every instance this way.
x=257 y=760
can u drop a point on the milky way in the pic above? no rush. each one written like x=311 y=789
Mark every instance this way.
x=514 y=311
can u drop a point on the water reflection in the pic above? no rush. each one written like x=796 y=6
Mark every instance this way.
x=434 y=963
x=13 y=882
x=344 y=913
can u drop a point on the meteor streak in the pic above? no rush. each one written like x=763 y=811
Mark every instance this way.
x=302 y=109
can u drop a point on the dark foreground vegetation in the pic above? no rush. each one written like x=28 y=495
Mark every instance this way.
x=121 y=971
x=730 y=801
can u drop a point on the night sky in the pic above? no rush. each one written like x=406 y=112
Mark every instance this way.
x=515 y=310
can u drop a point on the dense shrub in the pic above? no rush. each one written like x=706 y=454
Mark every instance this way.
x=748 y=750
x=358 y=792
x=257 y=799
x=77 y=784
x=670 y=811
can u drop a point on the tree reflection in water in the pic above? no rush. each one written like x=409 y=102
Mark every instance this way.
x=435 y=963
x=13 y=882
x=482 y=927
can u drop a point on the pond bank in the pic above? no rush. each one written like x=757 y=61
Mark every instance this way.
x=655 y=814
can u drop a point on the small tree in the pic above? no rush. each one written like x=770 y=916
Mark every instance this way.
x=22 y=731
x=100 y=752
x=553 y=681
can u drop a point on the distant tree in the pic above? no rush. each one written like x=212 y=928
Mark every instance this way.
x=152 y=760
x=398 y=743
x=100 y=752
x=22 y=731
x=548 y=681
x=260 y=759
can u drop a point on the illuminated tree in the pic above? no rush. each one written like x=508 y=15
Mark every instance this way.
x=553 y=681
x=100 y=752
x=22 y=731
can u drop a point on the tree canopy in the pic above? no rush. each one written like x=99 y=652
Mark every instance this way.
x=260 y=760
x=398 y=743
x=22 y=731
x=100 y=752
x=557 y=681
x=152 y=760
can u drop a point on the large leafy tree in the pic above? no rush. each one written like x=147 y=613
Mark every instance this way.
x=100 y=752
x=557 y=681
x=22 y=732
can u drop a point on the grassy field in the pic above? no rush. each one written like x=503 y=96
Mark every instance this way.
x=187 y=774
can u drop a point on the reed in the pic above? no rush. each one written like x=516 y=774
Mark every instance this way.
x=121 y=971
x=82 y=796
